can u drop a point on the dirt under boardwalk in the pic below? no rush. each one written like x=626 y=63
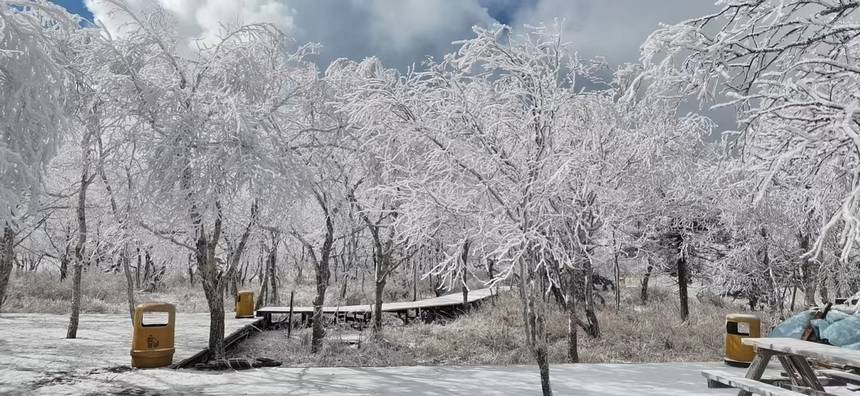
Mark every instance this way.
x=34 y=352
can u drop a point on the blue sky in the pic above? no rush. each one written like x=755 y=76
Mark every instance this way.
x=76 y=7
x=498 y=10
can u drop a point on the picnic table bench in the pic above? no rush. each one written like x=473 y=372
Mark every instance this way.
x=794 y=356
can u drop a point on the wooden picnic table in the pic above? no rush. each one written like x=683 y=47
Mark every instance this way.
x=794 y=356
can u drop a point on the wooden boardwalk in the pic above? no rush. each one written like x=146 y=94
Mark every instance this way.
x=429 y=308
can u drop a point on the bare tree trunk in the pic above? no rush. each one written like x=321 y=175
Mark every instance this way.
x=82 y=236
x=64 y=259
x=807 y=272
x=617 y=277
x=215 y=301
x=793 y=296
x=148 y=268
x=593 y=328
x=213 y=287
x=464 y=259
x=129 y=282
x=234 y=285
x=137 y=267
x=682 y=286
x=190 y=270
x=643 y=290
x=7 y=244
x=263 y=297
x=414 y=279
x=213 y=279
x=438 y=285
x=572 y=321
x=322 y=278
x=272 y=274
x=823 y=291
x=378 y=291
x=535 y=321
x=72 y=331
x=344 y=285
x=543 y=365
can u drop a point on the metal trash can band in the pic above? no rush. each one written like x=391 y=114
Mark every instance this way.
x=152 y=343
x=738 y=327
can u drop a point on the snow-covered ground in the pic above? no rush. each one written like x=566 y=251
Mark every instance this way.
x=36 y=358
x=34 y=352
x=567 y=379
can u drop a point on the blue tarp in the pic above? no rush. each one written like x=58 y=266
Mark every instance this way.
x=843 y=332
x=838 y=328
x=792 y=327
x=853 y=346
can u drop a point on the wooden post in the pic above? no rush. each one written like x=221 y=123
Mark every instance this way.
x=290 y=326
x=757 y=367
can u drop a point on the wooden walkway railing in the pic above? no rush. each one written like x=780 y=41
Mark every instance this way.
x=445 y=305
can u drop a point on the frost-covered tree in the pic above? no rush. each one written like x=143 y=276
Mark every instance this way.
x=322 y=142
x=501 y=137
x=790 y=68
x=33 y=90
x=378 y=160
x=207 y=121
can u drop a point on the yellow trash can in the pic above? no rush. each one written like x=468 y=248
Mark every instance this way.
x=245 y=304
x=738 y=327
x=152 y=337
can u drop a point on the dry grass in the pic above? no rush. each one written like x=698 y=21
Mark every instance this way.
x=42 y=292
x=342 y=348
x=490 y=335
x=494 y=335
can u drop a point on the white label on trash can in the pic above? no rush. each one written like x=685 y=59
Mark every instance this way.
x=155 y=319
x=743 y=328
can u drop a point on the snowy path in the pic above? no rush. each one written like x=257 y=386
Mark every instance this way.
x=35 y=358
x=568 y=379
x=34 y=350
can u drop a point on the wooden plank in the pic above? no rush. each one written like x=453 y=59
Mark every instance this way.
x=229 y=342
x=807 y=391
x=756 y=369
x=453 y=299
x=790 y=370
x=747 y=385
x=811 y=350
x=806 y=372
x=843 y=375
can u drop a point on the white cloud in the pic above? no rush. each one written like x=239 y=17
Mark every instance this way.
x=198 y=19
x=403 y=32
x=402 y=24
x=612 y=29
